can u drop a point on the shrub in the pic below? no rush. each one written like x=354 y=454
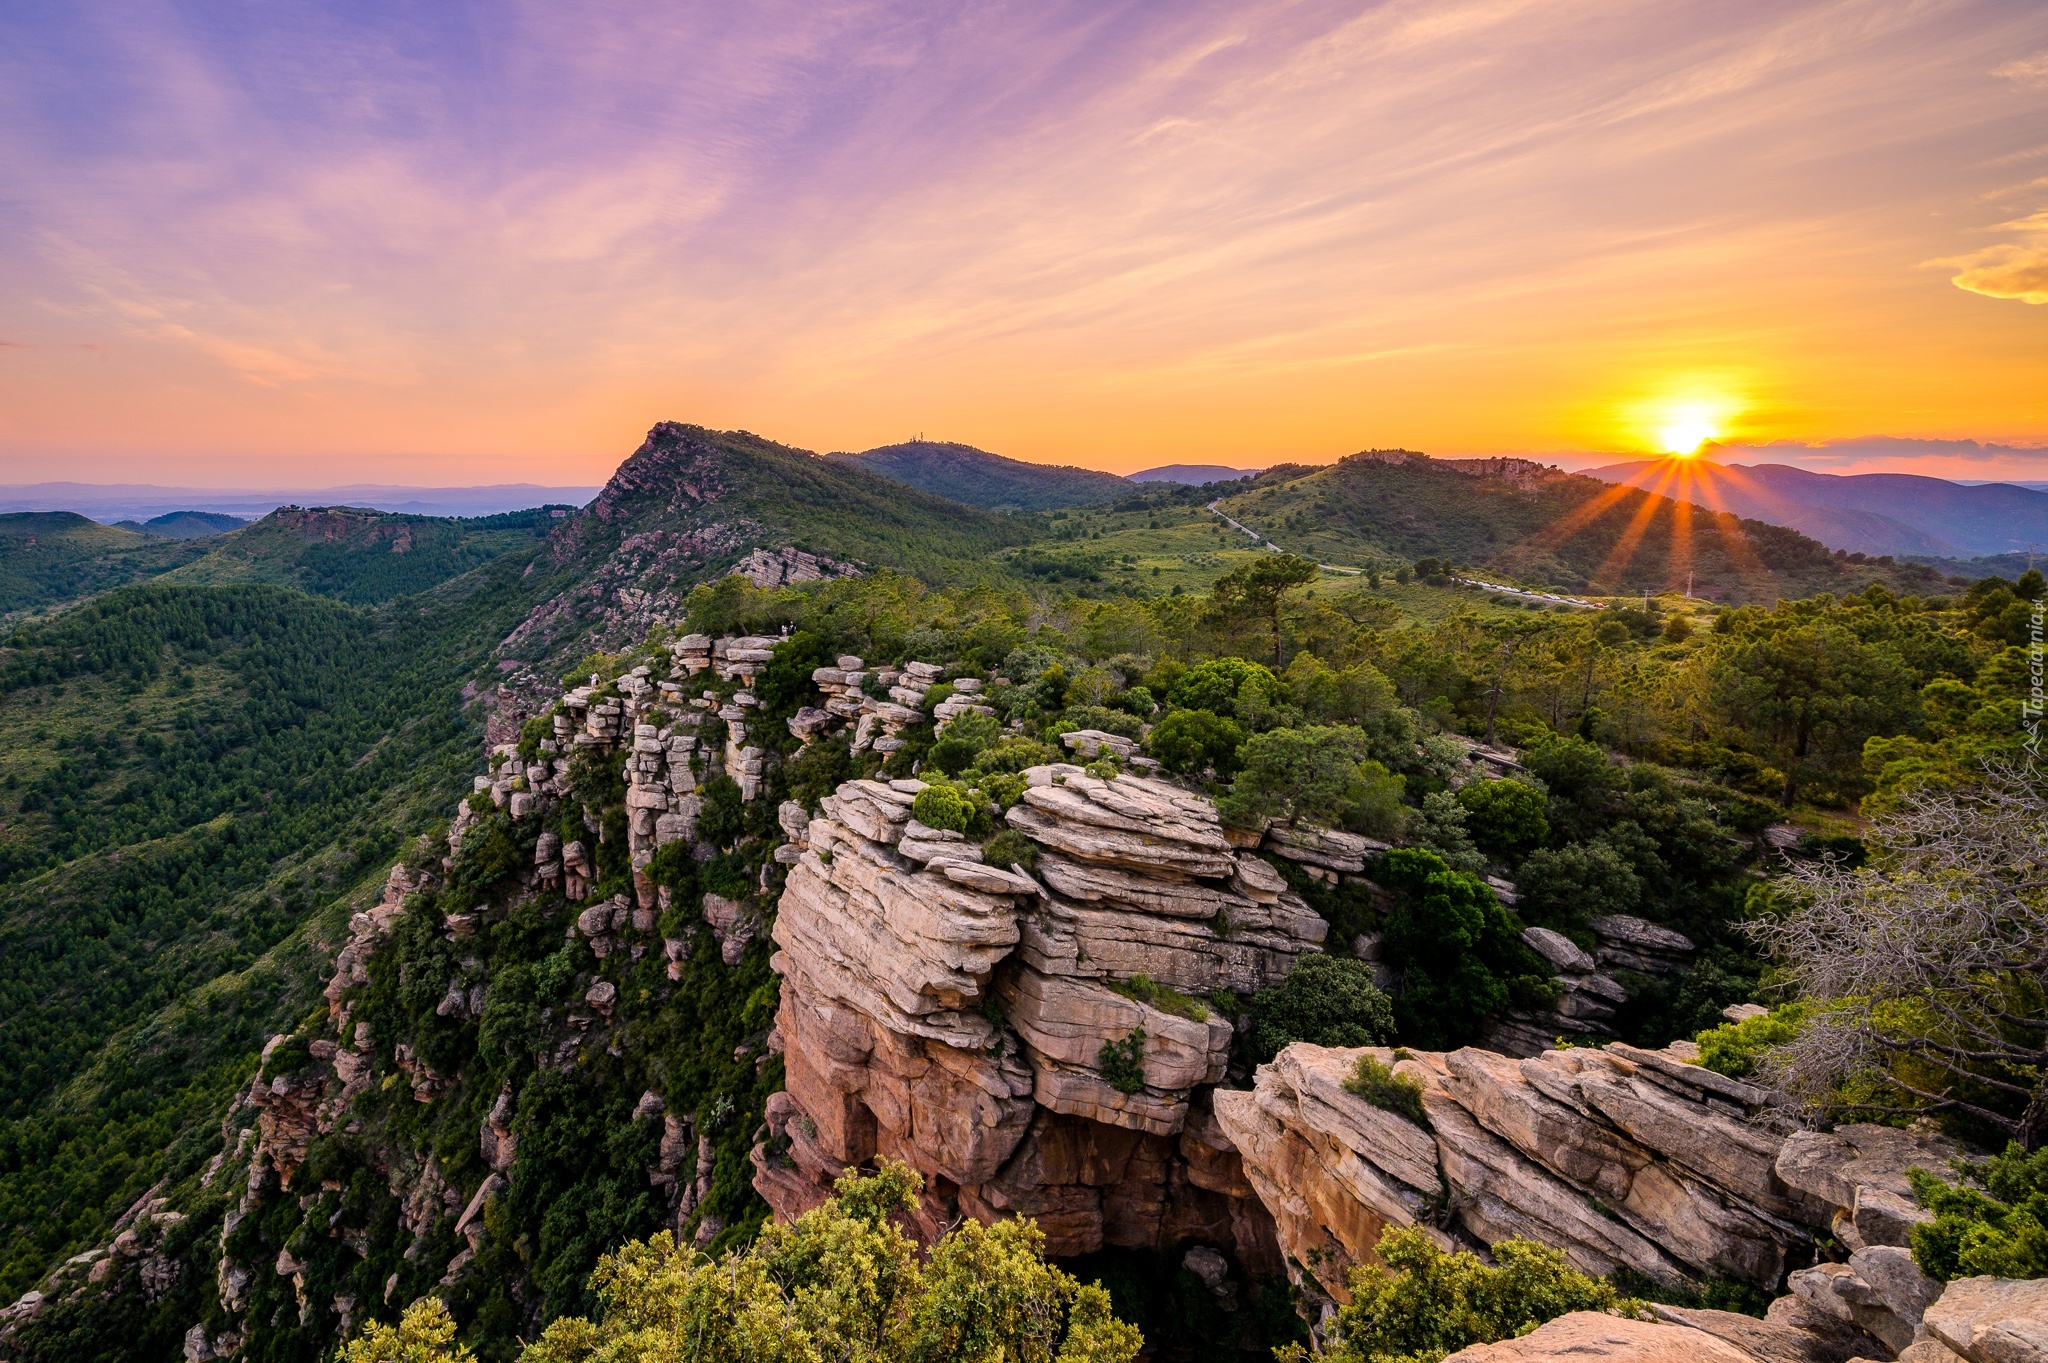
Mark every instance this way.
x=1011 y=848
x=1098 y=717
x=1186 y=741
x=1375 y=1081
x=487 y=854
x=291 y=1056
x=843 y=1281
x=1325 y=1000
x=674 y=867
x=952 y=755
x=1218 y=684
x=1163 y=997
x=1122 y=1063
x=1420 y=1303
x=727 y=874
x=1504 y=817
x=1562 y=887
x=424 y=1334
x=939 y=806
x=818 y=770
x=1460 y=953
x=2000 y=1231
x=722 y=818
x=1735 y=1048
x=1014 y=754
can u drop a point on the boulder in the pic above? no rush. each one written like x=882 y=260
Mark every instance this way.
x=1856 y=1175
x=1587 y=1335
x=1992 y=1320
x=1631 y=943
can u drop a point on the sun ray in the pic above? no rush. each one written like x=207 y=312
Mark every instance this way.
x=1562 y=529
x=1639 y=525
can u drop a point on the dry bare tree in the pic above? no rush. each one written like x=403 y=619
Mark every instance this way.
x=1929 y=966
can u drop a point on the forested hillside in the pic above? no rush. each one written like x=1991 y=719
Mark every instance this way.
x=192 y=775
x=363 y=556
x=51 y=557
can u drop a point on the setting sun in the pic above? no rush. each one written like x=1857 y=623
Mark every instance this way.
x=1687 y=428
x=1676 y=419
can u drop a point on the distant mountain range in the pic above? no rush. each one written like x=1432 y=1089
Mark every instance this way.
x=1872 y=513
x=141 y=502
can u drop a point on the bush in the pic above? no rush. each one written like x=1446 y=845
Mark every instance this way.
x=722 y=818
x=952 y=755
x=944 y=807
x=727 y=874
x=1460 y=953
x=1419 y=1303
x=1375 y=1081
x=1734 y=1048
x=842 y=1281
x=1217 y=685
x=2000 y=1231
x=1563 y=887
x=1163 y=997
x=1099 y=717
x=1505 y=818
x=1186 y=741
x=424 y=1334
x=674 y=867
x=1014 y=754
x=1122 y=1063
x=291 y=1056
x=1010 y=848
x=818 y=770
x=1325 y=1000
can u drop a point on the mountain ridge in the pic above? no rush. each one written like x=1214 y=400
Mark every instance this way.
x=1872 y=513
x=993 y=482
x=691 y=503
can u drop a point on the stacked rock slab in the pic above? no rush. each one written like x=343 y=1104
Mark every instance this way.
x=954 y=1015
x=1619 y=1157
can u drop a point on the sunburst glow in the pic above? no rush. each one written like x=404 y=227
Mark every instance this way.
x=1683 y=418
x=1687 y=429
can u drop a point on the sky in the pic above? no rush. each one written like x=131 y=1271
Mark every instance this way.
x=260 y=243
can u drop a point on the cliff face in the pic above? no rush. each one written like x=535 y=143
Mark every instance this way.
x=1028 y=1043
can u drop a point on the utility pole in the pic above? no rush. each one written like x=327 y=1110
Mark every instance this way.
x=1688 y=586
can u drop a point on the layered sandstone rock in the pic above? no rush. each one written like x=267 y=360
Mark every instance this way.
x=1619 y=1157
x=958 y=1016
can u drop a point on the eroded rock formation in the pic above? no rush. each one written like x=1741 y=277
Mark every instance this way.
x=1027 y=1042
x=1620 y=1157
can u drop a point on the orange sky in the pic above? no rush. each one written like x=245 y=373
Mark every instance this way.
x=284 y=246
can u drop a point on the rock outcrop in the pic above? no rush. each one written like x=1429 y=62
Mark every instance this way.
x=1621 y=1158
x=1585 y=1335
x=1029 y=1043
